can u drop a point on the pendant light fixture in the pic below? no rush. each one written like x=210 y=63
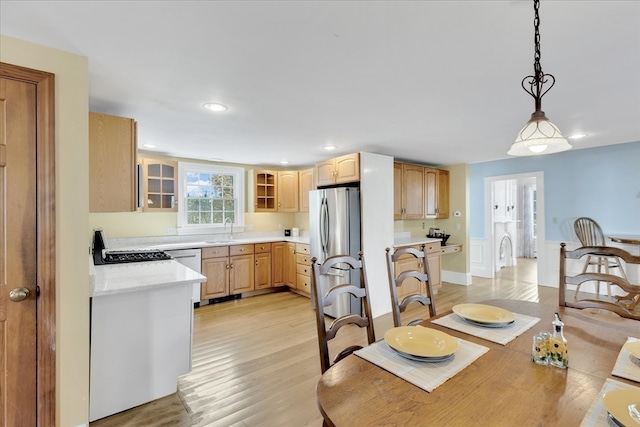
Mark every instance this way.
x=539 y=135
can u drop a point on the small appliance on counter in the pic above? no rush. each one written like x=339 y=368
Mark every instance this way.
x=436 y=233
x=102 y=256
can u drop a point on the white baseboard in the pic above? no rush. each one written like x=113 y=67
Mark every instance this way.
x=456 y=277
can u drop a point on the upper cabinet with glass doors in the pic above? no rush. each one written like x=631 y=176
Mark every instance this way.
x=160 y=185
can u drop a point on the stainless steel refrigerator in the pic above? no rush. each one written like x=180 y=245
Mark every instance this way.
x=334 y=227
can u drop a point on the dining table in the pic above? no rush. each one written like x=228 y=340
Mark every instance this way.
x=502 y=387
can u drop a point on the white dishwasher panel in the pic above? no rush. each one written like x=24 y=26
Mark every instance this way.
x=190 y=258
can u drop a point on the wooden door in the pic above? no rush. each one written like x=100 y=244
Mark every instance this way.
x=241 y=274
x=277 y=263
x=306 y=185
x=431 y=193
x=398 y=208
x=27 y=263
x=263 y=270
x=325 y=173
x=216 y=271
x=413 y=191
x=112 y=163
x=290 y=265
x=347 y=168
x=288 y=191
x=443 y=193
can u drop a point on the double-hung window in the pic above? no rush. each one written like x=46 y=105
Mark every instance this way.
x=212 y=196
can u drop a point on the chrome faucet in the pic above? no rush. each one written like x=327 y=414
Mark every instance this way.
x=229 y=220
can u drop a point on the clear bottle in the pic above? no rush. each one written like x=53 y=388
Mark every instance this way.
x=558 y=345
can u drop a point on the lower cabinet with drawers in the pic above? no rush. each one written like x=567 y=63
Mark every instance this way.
x=303 y=268
x=237 y=269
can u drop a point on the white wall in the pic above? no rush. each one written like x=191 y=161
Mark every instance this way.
x=376 y=187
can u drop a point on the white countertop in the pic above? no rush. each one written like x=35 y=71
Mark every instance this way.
x=410 y=241
x=139 y=276
x=166 y=244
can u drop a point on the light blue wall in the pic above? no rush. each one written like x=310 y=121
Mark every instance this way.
x=602 y=183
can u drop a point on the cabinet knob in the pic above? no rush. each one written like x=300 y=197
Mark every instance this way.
x=256 y=263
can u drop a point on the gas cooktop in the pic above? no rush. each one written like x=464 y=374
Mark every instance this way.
x=117 y=257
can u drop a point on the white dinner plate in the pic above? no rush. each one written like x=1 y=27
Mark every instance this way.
x=419 y=341
x=617 y=403
x=423 y=359
x=484 y=314
x=633 y=348
x=488 y=325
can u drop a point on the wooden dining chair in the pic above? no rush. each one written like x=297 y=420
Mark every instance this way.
x=619 y=307
x=414 y=283
x=590 y=234
x=323 y=298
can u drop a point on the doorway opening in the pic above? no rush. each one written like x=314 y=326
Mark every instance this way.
x=514 y=220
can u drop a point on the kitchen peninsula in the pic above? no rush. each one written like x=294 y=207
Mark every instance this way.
x=141 y=332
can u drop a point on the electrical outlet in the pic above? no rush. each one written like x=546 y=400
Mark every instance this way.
x=249 y=227
x=423 y=225
x=170 y=231
x=457 y=226
x=279 y=226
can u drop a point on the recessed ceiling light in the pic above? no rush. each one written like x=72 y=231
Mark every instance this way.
x=284 y=162
x=329 y=147
x=577 y=136
x=214 y=106
x=149 y=146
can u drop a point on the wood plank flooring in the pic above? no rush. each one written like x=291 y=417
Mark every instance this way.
x=255 y=360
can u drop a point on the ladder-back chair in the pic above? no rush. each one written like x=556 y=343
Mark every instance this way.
x=632 y=290
x=325 y=297
x=590 y=234
x=421 y=293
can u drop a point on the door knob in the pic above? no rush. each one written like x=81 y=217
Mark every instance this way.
x=18 y=294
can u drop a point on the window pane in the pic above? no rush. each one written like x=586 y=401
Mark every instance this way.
x=205 y=204
x=193 y=205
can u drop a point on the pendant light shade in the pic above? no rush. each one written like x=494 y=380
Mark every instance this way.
x=539 y=135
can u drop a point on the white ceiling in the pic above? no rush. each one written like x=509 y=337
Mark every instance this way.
x=428 y=81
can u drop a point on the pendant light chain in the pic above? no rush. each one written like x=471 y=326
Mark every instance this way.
x=536 y=81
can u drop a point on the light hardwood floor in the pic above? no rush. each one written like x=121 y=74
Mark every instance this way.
x=255 y=360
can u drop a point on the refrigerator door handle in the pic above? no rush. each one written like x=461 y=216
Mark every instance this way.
x=324 y=227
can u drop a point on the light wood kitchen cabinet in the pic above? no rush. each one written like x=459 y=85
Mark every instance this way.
x=397 y=190
x=265 y=190
x=340 y=170
x=242 y=269
x=160 y=185
x=287 y=191
x=410 y=285
x=306 y=184
x=262 y=261
x=215 y=267
x=433 y=258
x=408 y=187
x=278 y=252
x=443 y=193
x=112 y=163
x=408 y=262
x=303 y=268
x=436 y=184
x=290 y=265
x=229 y=270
